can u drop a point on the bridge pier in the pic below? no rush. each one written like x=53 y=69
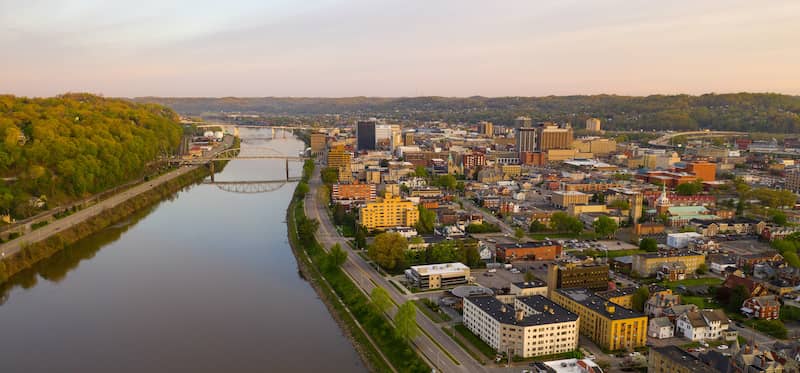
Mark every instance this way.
x=287 y=170
x=211 y=169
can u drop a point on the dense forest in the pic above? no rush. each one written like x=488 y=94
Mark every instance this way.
x=67 y=147
x=764 y=112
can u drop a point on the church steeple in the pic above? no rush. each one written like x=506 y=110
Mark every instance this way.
x=663 y=203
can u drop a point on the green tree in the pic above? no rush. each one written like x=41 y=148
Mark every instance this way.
x=562 y=222
x=791 y=259
x=484 y=227
x=405 y=321
x=605 y=226
x=330 y=175
x=537 y=226
x=448 y=182
x=737 y=298
x=472 y=256
x=388 y=250
x=336 y=256
x=690 y=189
x=701 y=269
x=360 y=238
x=420 y=171
x=640 y=297
x=380 y=299
x=620 y=204
x=519 y=234
x=648 y=244
x=427 y=220
x=779 y=217
x=529 y=277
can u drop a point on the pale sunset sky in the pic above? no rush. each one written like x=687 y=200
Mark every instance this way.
x=398 y=48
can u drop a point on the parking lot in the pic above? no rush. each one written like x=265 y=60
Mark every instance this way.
x=743 y=247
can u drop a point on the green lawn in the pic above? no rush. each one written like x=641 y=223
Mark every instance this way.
x=432 y=314
x=475 y=341
x=470 y=351
x=701 y=302
x=709 y=281
x=619 y=253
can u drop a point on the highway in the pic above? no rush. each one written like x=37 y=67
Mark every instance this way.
x=367 y=278
x=667 y=137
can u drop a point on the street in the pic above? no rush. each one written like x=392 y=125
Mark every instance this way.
x=366 y=278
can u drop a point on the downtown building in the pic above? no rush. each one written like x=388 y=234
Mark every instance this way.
x=529 y=326
x=610 y=326
x=365 y=134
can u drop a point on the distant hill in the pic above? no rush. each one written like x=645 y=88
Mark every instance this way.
x=764 y=112
x=75 y=145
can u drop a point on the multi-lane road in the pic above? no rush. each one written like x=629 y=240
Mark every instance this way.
x=367 y=278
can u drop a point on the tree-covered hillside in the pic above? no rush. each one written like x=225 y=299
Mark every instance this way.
x=74 y=145
x=764 y=112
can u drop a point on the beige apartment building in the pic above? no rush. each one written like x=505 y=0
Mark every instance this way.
x=646 y=265
x=531 y=326
x=566 y=198
x=388 y=212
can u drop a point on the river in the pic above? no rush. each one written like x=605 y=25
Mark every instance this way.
x=202 y=282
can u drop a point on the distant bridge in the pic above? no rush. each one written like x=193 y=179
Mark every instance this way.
x=664 y=140
x=251 y=187
x=249 y=153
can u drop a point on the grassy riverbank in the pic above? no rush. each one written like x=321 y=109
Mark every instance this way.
x=35 y=252
x=348 y=305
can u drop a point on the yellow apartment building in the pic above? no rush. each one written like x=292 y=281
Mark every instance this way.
x=388 y=212
x=610 y=326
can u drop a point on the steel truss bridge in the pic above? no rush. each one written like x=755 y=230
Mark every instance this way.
x=251 y=187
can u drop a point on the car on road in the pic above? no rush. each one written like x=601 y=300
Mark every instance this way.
x=722 y=347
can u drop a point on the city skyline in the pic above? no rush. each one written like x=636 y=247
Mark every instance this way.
x=390 y=49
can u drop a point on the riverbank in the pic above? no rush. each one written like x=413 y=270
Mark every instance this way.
x=23 y=252
x=371 y=332
x=30 y=254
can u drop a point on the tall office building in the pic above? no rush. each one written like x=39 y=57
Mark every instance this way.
x=523 y=122
x=318 y=142
x=387 y=136
x=551 y=136
x=408 y=139
x=486 y=128
x=593 y=125
x=526 y=139
x=365 y=134
x=340 y=159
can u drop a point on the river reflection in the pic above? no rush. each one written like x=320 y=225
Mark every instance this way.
x=203 y=282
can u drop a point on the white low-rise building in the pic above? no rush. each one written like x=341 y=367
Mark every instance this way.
x=435 y=276
x=661 y=328
x=531 y=326
x=702 y=325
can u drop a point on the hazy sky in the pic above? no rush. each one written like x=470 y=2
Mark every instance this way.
x=398 y=48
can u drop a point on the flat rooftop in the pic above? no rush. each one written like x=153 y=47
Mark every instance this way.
x=545 y=311
x=573 y=366
x=597 y=304
x=536 y=283
x=440 y=269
